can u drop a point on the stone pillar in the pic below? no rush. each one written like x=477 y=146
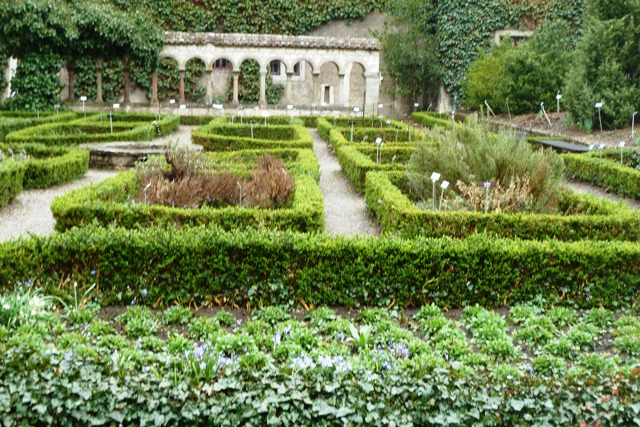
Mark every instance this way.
x=127 y=85
x=71 y=70
x=372 y=92
x=9 y=73
x=263 y=88
x=288 y=88
x=317 y=98
x=99 y=70
x=207 y=82
x=341 y=90
x=154 y=88
x=236 y=77
x=182 y=99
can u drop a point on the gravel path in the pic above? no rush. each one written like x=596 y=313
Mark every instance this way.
x=345 y=211
x=29 y=212
x=581 y=187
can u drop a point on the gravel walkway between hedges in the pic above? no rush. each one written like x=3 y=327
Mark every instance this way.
x=581 y=187
x=29 y=212
x=345 y=211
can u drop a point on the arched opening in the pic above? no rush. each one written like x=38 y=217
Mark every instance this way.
x=221 y=72
x=329 y=84
x=194 y=80
x=356 y=86
x=302 y=83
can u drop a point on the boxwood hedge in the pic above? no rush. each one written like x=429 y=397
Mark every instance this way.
x=96 y=128
x=203 y=264
x=11 y=177
x=605 y=171
x=219 y=135
x=11 y=121
x=586 y=217
x=48 y=166
x=111 y=202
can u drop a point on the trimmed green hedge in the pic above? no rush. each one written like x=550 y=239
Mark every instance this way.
x=606 y=172
x=11 y=121
x=110 y=202
x=430 y=120
x=222 y=136
x=205 y=264
x=93 y=129
x=587 y=217
x=49 y=166
x=11 y=177
x=356 y=161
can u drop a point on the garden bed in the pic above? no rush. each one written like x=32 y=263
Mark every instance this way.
x=219 y=135
x=112 y=201
x=475 y=367
x=48 y=166
x=97 y=128
x=11 y=121
x=583 y=216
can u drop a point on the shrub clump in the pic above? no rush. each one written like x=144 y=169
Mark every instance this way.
x=525 y=180
x=186 y=178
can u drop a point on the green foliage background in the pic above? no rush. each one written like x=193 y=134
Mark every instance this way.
x=606 y=65
x=36 y=84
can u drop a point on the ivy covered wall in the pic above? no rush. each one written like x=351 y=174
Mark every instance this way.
x=463 y=27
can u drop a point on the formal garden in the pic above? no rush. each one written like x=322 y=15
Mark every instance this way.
x=200 y=287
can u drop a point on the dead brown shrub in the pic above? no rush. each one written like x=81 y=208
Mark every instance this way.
x=185 y=180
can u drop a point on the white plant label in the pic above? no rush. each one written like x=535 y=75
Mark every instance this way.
x=378 y=140
x=621 y=145
x=599 y=104
x=172 y=101
x=183 y=106
x=356 y=109
x=444 y=185
x=116 y=106
x=289 y=107
x=380 y=105
x=435 y=176
x=83 y=98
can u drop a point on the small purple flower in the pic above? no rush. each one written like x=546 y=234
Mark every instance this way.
x=93 y=272
x=340 y=337
x=386 y=366
x=144 y=293
x=133 y=302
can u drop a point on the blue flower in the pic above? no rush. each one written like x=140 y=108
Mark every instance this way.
x=144 y=293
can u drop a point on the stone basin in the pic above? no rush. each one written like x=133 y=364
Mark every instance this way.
x=124 y=155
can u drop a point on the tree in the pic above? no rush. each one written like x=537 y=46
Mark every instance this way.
x=606 y=64
x=409 y=48
x=77 y=29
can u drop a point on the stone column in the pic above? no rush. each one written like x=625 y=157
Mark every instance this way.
x=371 y=92
x=341 y=90
x=236 y=77
x=154 y=88
x=71 y=70
x=99 y=70
x=207 y=82
x=182 y=99
x=263 y=88
x=317 y=98
x=287 y=92
x=127 y=85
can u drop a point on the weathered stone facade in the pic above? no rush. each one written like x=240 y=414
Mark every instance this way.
x=316 y=71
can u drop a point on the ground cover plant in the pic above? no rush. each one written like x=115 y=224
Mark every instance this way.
x=228 y=189
x=272 y=365
x=11 y=178
x=98 y=128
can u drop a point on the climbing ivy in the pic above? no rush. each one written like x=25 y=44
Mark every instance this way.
x=36 y=85
x=463 y=28
x=291 y=17
x=249 y=85
x=112 y=79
